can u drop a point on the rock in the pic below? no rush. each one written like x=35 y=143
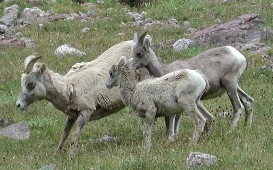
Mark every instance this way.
x=29 y=43
x=32 y=13
x=4 y=122
x=12 y=42
x=85 y=29
x=173 y=22
x=66 y=49
x=48 y=167
x=200 y=159
x=186 y=24
x=10 y=16
x=3 y=29
x=181 y=44
x=135 y=15
x=244 y=29
x=16 y=131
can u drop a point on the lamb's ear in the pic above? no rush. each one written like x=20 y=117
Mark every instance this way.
x=121 y=62
x=141 y=38
x=147 y=41
x=135 y=38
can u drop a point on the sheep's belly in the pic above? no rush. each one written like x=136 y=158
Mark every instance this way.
x=170 y=109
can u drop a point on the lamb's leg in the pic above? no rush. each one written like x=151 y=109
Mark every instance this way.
x=189 y=104
x=176 y=125
x=209 y=117
x=167 y=123
x=148 y=132
x=83 y=117
x=230 y=84
x=248 y=102
x=171 y=133
x=69 y=123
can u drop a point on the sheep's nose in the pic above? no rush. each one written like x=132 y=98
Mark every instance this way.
x=18 y=105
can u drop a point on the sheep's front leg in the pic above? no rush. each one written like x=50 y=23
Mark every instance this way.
x=69 y=123
x=148 y=132
x=83 y=117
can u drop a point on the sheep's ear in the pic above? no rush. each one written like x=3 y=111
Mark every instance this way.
x=135 y=38
x=147 y=42
x=39 y=70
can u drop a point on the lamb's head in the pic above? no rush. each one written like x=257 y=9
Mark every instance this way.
x=141 y=51
x=32 y=87
x=114 y=73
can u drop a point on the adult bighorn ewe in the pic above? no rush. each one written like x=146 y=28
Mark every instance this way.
x=223 y=67
x=165 y=96
x=81 y=93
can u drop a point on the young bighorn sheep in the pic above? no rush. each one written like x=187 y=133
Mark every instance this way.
x=223 y=67
x=81 y=93
x=164 y=96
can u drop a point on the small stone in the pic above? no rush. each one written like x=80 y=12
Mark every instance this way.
x=200 y=159
x=106 y=138
x=85 y=29
x=181 y=44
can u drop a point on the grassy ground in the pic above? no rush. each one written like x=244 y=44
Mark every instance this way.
x=243 y=149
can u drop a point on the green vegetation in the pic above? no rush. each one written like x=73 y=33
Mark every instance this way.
x=245 y=148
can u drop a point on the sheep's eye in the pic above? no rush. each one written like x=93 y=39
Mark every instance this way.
x=30 y=85
x=111 y=74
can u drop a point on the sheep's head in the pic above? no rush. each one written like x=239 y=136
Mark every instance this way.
x=141 y=51
x=32 y=88
x=114 y=73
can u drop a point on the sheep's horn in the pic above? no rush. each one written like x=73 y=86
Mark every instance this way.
x=141 y=38
x=29 y=62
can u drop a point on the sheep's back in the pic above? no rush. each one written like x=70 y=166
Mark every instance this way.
x=86 y=81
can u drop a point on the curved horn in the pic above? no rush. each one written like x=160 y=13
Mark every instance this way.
x=29 y=62
x=140 y=40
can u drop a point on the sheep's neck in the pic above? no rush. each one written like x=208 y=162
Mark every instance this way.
x=56 y=93
x=155 y=68
x=127 y=84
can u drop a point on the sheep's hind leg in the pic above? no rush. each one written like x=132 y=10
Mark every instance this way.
x=248 y=102
x=83 y=117
x=171 y=134
x=190 y=106
x=69 y=123
x=230 y=85
x=209 y=117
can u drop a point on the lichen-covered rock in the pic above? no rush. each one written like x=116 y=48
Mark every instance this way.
x=66 y=49
x=181 y=44
x=200 y=159
x=10 y=16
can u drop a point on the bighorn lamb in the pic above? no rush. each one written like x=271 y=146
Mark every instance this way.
x=81 y=93
x=164 y=96
x=223 y=67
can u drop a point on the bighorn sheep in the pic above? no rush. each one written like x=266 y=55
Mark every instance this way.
x=223 y=67
x=164 y=96
x=81 y=93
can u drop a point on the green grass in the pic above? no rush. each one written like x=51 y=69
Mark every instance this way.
x=245 y=148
